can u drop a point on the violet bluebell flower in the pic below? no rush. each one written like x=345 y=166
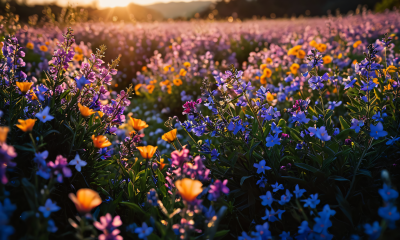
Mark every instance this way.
x=368 y=86
x=312 y=130
x=267 y=199
x=261 y=167
x=81 y=82
x=356 y=124
x=300 y=117
x=377 y=131
x=322 y=134
x=48 y=208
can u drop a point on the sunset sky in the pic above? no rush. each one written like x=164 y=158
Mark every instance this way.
x=105 y=3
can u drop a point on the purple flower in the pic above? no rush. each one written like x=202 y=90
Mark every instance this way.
x=261 y=167
x=180 y=157
x=356 y=124
x=217 y=189
x=322 y=134
x=81 y=82
x=108 y=225
x=60 y=168
x=300 y=117
x=7 y=153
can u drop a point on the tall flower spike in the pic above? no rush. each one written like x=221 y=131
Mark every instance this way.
x=100 y=141
x=26 y=125
x=170 y=136
x=85 y=200
x=188 y=188
x=147 y=152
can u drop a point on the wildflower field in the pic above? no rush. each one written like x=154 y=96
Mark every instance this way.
x=262 y=129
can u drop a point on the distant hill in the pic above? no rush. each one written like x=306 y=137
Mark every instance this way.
x=180 y=9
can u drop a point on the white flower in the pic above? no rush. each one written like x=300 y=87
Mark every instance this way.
x=44 y=115
x=78 y=162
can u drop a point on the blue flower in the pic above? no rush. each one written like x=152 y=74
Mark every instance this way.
x=262 y=231
x=332 y=105
x=51 y=226
x=285 y=198
x=261 y=167
x=377 y=131
x=245 y=237
x=270 y=215
x=81 y=82
x=368 y=86
x=315 y=82
x=356 y=125
x=364 y=98
x=388 y=193
x=214 y=155
x=350 y=84
x=322 y=134
x=285 y=236
x=393 y=140
x=267 y=199
x=143 y=231
x=48 y=208
x=300 y=117
x=44 y=115
x=7 y=207
x=312 y=130
x=275 y=129
x=378 y=116
x=299 y=192
x=336 y=132
x=389 y=213
x=299 y=146
x=273 y=140
x=374 y=230
x=262 y=182
x=277 y=187
x=312 y=201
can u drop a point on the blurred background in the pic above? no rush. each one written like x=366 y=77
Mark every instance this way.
x=158 y=10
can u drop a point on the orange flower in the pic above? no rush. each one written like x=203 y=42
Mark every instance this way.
x=263 y=66
x=147 y=152
x=78 y=50
x=313 y=43
x=356 y=44
x=263 y=79
x=24 y=86
x=137 y=86
x=150 y=88
x=144 y=69
x=321 y=47
x=267 y=72
x=177 y=82
x=186 y=64
x=301 y=54
x=188 y=188
x=182 y=72
x=78 y=57
x=29 y=45
x=3 y=134
x=327 y=59
x=294 y=50
x=294 y=68
x=270 y=97
x=169 y=136
x=85 y=111
x=269 y=60
x=43 y=48
x=85 y=200
x=100 y=141
x=137 y=124
x=26 y=125
x=162 y=164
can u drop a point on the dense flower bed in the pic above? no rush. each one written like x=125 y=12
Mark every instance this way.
x=301 y=143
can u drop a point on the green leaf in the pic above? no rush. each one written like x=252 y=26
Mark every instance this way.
x=378 y=94
x=221 y=233
x=344 y=204
x=339 y=178
x=294 y=134
x=282 y=123
x=344 y=134
x=104 y=163
x=343 y=123
x=306 y=167
x=364 y=172
x=243 y=179
x=134 y=207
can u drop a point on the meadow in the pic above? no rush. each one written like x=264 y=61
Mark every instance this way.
x=259 y=129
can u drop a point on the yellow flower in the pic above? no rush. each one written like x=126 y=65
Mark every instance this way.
x=29 y=45
x=186 y=64
x=327 y=59
x=188 y=188
x=263 y=79
x=267 y=72
x=177 y=82
x=137 y=124
x=182 y=72
x=100 y=141
x=78 y=57
x=3 y=134
x=321 y=47
x=78 y=50
x=263 y=66
x=270 y=97
x=375 y=80
x=169 y=89
x=85 y=200
x=269 y=60
x=294 y=50
x=356 y=44
x=169 y=136
x=24 y=86
x=33 y=95
x=147 y=152
x=294 y=68
x=150 y=88
x=168 y=68
x=162 y=164
x=313 y=43
x=301 y=54
x=43 y=48
x=26 y=125
x=101 y=114
x=137 y=86
x=85 y=111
